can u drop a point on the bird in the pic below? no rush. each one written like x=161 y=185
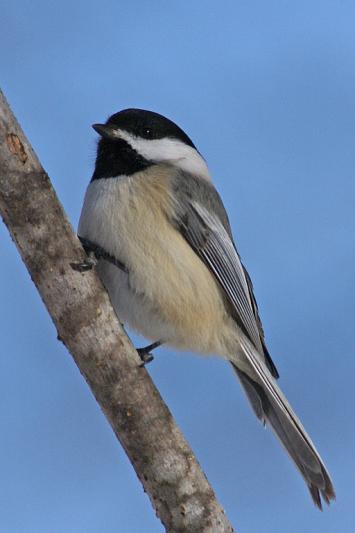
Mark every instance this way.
x=156 y=228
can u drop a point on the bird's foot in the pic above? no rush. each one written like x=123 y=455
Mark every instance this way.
x=87 y=264
x=144 y=353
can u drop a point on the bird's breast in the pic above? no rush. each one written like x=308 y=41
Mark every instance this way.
x=130 y=218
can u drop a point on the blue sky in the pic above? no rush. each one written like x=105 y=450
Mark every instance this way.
x=266 y=92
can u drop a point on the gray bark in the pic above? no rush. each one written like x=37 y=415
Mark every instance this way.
x=87 y=325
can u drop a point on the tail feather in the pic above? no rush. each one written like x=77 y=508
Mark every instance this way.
x=272 y=408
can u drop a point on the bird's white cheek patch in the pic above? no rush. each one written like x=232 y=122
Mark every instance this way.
x=170 y=151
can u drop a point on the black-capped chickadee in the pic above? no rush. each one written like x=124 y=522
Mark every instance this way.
x=167 y=257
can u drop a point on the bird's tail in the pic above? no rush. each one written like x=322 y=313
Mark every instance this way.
x=272 y=408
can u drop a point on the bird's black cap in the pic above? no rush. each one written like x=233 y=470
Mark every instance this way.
x=145 y=124
x=117 y=157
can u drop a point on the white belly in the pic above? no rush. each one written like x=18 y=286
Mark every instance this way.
x=169 y=294
x=132 y=307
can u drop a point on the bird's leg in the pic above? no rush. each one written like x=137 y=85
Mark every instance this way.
x=144 y=353
x=87 y=264
x=94 y=253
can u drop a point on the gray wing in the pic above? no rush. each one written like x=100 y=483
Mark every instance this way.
x=269 y=361
x=208 y=232
x=204 y=224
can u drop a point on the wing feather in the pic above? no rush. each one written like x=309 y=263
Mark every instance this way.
x=211 y=242
x=206 y=229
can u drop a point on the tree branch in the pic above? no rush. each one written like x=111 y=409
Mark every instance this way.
x=86 y=323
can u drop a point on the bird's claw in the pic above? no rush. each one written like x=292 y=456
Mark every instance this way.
x=144 y=353
x=145 y=356
x=86 y=265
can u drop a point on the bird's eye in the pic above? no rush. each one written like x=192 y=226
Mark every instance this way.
x=148 y=134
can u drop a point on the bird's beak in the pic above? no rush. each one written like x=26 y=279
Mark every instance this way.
x=106 y=131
